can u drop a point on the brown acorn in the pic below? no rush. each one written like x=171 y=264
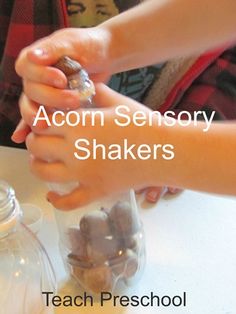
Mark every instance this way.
x=78 y=273
x=98 y=279
x=75 y=260
x=124 y=219
x=68 y=66
x=95 y=224
x=118 y=266
x=77 y=243
x=125 y=265
x=104 y=249
x=130 y=242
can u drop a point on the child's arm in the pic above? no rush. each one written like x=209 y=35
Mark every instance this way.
x=159 y=30
x=149 y=33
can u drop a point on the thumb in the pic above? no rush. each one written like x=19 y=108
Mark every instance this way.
x=77 y=198
x=50 y=49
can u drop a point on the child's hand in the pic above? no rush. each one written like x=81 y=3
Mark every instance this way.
x=28 y=110
x=45 y=84
x=53 y=157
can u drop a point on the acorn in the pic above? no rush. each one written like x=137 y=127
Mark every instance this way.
x=78 y=79
x=105 y=210
x=104 y=249
x=125 y=265
x=75 y=260
x=124 y=219
x=98 y=279
x=78 y=273
x=77 y=243
x=95 y=224
x=118 y=265
x=68 y=66
x=130 y=242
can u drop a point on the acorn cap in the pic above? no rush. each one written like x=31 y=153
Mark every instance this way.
x=68 y=66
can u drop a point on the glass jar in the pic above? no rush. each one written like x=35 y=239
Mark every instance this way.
x=25 y=268
x=102 y=244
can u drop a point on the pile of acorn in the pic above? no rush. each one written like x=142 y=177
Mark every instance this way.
x=106 y=247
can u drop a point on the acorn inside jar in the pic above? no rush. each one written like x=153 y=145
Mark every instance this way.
x=106 y=247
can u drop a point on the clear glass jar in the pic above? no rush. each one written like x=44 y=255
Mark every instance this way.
x=102 y=244
x=25 y=268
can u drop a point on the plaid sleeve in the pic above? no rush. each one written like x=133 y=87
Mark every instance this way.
x=5 y=13
x=22 y=22
x=214 y=88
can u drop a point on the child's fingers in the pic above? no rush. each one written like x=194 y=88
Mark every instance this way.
x=46 y=148
x=49 y=172
x=28 y=110
x=153 y=194
x=44 y=75
x=52 y=97
x=21 y=132
x=43 y=124
x=77 y=198
x=172 y=190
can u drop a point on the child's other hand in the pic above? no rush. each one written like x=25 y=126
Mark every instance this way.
x=53 y=159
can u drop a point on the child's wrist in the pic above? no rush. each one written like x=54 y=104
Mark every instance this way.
x=115 y=50
x=105 y=47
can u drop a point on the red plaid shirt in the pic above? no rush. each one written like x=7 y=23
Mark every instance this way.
x=21 y=23
x=210 y=84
